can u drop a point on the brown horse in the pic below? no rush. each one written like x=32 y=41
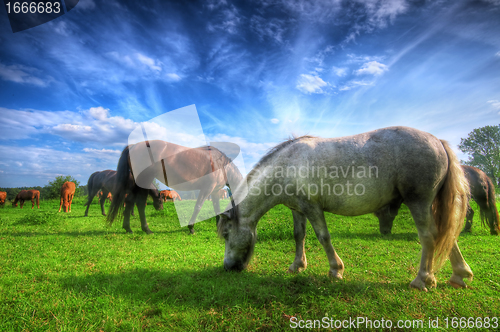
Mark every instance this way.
x=482 y=192
x=223 y=194
x=25 y=195
x=187 y=169
x=3 y=197
x=67 y=193
x=170 y=194
x=109 y=198
x=107 y=182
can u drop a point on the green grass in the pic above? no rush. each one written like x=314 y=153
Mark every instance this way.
x=65 y=272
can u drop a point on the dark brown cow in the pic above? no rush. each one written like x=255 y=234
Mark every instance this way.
x=67 y=193
x=25 y=195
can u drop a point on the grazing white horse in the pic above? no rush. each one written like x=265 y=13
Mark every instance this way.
x=352 y=176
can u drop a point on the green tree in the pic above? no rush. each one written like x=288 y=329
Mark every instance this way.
x=53 y=189
x=483 y=147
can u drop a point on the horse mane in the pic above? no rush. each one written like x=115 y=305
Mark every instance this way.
x=276 y=149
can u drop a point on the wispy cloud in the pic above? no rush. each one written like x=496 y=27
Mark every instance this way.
x=372 y=68
x=495 y=104
x=311 y=84
x=23 y=75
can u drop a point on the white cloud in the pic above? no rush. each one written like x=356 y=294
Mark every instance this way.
x=497 y=54
x=311 y=84
x=42 y=164
x=23 y=74
x=101 y=151
x=249 y=149
x=340 y=72
x=67 y=127
x=354 y=84
x=99 y=113
x=151 y=63
x=275 y=121
x=92 y=125
x=173 y=77
x=372 y=68
x=495 y=104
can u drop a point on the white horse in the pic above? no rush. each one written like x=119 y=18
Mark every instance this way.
x=352 y=176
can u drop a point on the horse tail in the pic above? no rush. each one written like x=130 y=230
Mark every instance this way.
x=491 y=214
x=37 y=196
x=121 y=185
x=449 y=208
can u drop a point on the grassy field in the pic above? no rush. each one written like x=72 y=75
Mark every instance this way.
x=65 y=272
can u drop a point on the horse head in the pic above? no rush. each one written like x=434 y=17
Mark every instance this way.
x=240 y=241
x=157 y=200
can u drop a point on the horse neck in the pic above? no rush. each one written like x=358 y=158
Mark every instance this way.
x=254 y=206
x=233 y=174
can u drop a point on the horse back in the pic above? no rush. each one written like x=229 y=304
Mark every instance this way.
x=360 y=174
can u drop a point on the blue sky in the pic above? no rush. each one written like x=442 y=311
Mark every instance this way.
x=73 y=89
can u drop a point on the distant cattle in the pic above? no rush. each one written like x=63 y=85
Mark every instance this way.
x=3 y=197
x=25 y=195
x=67 y=194
x=170 y=194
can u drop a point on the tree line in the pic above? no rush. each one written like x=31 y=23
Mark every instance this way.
x=50 y=191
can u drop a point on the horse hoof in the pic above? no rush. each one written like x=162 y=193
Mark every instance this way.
x=424 y=289
x=455 y=285
x=335 y=274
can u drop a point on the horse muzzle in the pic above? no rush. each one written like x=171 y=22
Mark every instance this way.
x=233 y=266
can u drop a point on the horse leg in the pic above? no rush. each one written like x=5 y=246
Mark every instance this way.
x=460 y=268
x=385 y=219
x=216 y=205
x=70 y=201
x=140 y=201
x=316 y=217
x=202 y=196
x=468 y=219
x=32 y=203
x=61 y=204
x=126 y=219
x=22 y=203
x=299 y=233
x=102 y=200
x=490 y=217
x=427 y=231
x=91 y=194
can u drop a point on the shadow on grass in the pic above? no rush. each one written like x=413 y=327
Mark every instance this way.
x=215 y=287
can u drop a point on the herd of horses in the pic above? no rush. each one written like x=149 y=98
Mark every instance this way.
x=415 y=168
